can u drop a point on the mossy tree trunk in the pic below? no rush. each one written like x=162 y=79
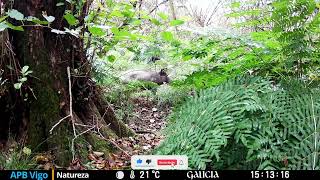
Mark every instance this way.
x=48 y=55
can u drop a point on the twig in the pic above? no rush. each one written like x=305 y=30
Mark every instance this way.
x=71 y=115
x=54 y=126
x=165 y=1
x=145 y=132
x=70 y=102
x=117 y=146
x=76 y=136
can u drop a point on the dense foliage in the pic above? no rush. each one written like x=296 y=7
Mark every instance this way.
x=254 y=123
x=244 y=98
x=248 y=123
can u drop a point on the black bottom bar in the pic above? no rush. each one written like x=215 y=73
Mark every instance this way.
x=156 y=174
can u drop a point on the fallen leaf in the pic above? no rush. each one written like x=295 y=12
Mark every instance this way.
x=92 y=157
x=40 y=159
x=98 y=154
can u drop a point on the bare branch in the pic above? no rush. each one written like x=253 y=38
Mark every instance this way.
x=163 y=2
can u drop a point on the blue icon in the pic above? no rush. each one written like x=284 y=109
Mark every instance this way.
x=139 y=161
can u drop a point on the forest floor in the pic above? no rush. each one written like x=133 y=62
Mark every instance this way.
x=148 y=121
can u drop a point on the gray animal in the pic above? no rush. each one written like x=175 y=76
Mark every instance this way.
x=145 y=75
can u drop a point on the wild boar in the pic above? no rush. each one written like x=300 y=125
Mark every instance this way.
x=146 y=75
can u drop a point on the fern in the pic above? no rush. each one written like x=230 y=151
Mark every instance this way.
x=274 y=128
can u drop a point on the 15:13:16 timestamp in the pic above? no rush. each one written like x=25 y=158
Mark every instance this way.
x=270 y=174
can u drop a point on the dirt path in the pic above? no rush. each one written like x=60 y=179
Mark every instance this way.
x=148 y=121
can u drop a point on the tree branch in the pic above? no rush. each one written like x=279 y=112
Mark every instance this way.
x=163 y=2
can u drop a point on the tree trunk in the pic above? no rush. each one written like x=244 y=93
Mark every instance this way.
x=173 y=12
x=48 y=55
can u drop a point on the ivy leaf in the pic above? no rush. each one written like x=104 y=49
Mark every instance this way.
x=96 y=31
x=16 y=15
x=71 y=19
x=50 y=19
x=111 y=58
x=59 y=4
x=176 y=22
x=57 y=31
x=167 y=36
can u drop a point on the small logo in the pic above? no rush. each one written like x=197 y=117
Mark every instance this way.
x=139 y=161
x=120 y=175
x=148 y=161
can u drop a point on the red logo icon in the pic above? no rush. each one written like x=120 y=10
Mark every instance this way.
x=167 y=162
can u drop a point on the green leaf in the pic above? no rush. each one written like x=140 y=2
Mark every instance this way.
x=235 y=5
x=73 y=32
x=116 y=13
x=17 y=28
x=3 y=18
x=3 y=26
x=128 y=13
x=24 y=79
x=17 y=85
x=96 y=31
x=58 y=31
x=16 y=15
x=176 y=22
x=136 y=22
x=155 y=21
x=24 y=69
x=60 y=4
x=115 y=30
x=167 y=36
x=71 y=19
x=36 y=20
x=26 y=151
x=111 y=58
x=163 y=16
x=50 y=19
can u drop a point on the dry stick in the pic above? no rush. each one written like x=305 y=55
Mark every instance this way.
x=70 y=106
x=71 y=115
x=72 y=141
x=54 y=126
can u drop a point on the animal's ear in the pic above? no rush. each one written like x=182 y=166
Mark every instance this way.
x=163 y=72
